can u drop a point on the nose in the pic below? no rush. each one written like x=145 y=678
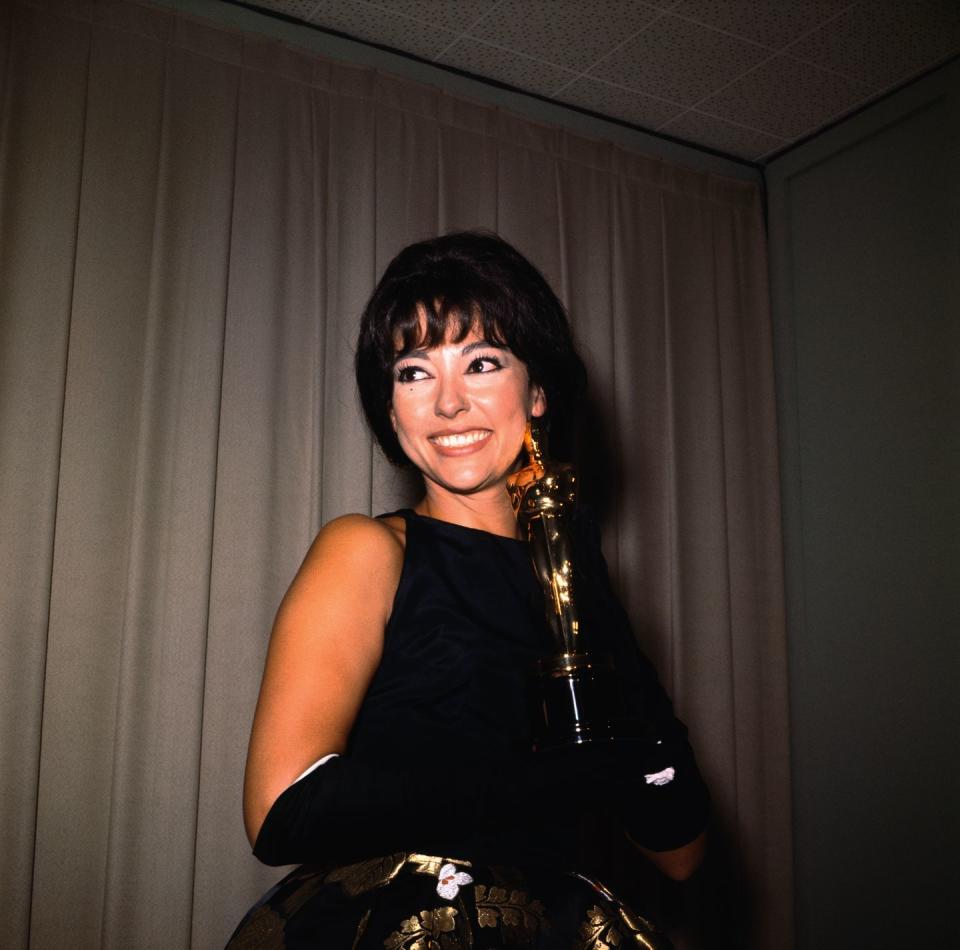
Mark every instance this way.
x=451 y=396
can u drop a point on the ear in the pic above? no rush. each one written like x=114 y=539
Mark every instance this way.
x=393 y=417
x=538 y=401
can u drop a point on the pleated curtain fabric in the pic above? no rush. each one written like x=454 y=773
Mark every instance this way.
x=191 y=219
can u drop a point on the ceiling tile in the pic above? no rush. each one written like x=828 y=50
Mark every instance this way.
x=515 y=69
x=772 y=24
x=745 y=77
x=678 y=60
x=786 y=98
x=568 y=33
x=455 y=15
x=723 y=136
x=633 y=107
x=367 y=22
x=886 y=41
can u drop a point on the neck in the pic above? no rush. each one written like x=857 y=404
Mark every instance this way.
x=489 y=510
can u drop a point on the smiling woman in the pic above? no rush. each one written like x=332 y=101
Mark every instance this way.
x=441 y=291
x=390 y=752
x=459 y=411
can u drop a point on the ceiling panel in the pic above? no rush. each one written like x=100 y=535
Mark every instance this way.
x=455 y=15
x=885 y=43
x=744 y=77
x=376 y=25
x=677 y=60
x=771 y=23
x=722 y=136
x=786 y=98
x=515 y=69
x=568 y=33
x=663 y=4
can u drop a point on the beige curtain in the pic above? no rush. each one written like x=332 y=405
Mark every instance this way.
x=190 y=221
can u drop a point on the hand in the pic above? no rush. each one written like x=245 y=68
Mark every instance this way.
x=653 y=787
x=599 y=774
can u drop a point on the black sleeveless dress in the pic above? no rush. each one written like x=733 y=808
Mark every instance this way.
x=452 y=690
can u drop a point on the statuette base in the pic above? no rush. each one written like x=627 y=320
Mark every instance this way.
x=580 y=701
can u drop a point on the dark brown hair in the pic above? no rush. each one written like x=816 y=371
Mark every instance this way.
x=460 y=281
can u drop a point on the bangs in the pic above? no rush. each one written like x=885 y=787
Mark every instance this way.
x=423 y=323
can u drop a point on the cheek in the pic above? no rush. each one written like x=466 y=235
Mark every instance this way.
x=513 y=405
x=408 y=414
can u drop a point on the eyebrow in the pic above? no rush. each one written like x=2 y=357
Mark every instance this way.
x=423 y=354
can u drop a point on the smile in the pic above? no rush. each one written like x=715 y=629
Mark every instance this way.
x=459 y=440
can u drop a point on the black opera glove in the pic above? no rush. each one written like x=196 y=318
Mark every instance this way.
x=666 y=803
x=653 y=787
x=660 y=810
x=348 y=809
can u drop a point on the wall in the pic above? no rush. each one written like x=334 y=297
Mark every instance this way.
x=864 y=227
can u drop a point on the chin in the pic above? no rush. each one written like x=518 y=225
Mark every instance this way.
x=465 y=483
x=465 y=486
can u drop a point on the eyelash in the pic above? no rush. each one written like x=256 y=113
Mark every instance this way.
x=405 y=374
x=487 y=358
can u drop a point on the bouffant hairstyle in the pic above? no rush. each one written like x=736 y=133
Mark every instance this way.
x=460 y=281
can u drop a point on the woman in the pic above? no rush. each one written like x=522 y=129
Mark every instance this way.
x=390 y=747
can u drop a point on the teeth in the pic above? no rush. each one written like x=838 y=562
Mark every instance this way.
x=460 y=439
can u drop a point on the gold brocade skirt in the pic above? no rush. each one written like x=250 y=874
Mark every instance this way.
x=418 y=902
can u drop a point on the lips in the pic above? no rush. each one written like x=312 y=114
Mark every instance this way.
x=453 y=441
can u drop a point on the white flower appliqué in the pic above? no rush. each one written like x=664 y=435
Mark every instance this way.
x=661 y=778
x=450 y=881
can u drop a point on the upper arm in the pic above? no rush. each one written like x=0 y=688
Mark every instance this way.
x=326 y=644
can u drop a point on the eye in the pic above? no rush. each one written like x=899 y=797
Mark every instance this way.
x=485 y=364
x=410 y=373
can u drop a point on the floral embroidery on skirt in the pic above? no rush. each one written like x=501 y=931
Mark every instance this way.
x=420 y=902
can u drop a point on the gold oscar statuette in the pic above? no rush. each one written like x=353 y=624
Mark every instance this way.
x=578 y=699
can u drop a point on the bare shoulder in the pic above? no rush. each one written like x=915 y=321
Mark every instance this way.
x=362 y=538
x=362 y=535
x=356 y=554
